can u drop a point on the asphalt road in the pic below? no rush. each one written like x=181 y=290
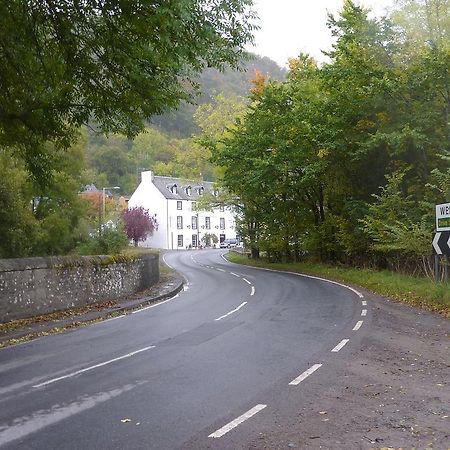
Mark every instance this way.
x=228 y=360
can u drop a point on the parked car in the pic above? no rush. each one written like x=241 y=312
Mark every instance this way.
x=228 y=243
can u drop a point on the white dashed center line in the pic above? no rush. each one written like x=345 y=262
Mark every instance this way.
x=358 y=325
x=364 y=303
x=305 y=374
x=231 y=312
x=225 y=429
x=235 y=274
x=340 y=345
x=364 y=312
x=248 y=282
x=87 y=369
x=253 y=290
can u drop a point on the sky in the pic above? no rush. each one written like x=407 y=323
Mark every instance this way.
x=288 y=27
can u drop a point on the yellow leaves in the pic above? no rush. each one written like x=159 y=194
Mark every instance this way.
x=259 y=82
x=365 y=125
x=323 y=152
x=383 y=118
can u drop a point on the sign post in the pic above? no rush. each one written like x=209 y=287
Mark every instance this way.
x=441 y=240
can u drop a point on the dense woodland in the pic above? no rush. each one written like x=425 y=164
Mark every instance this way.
x=342 y=162
x=345 y=162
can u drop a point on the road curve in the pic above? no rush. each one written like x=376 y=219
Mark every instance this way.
x=202 y=370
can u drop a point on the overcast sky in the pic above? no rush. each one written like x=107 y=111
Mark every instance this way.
x=289 y=27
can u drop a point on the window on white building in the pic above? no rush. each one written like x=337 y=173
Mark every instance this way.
x=194 y=222
x=222 y=223
x=179 y=204
x=174 y=189
x=180 y=240
x=180 y=222
x=188 y=190
x=208 y=223
x=194 y=240
x=221 y=208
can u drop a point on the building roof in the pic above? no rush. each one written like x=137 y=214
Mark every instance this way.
x=179 y=189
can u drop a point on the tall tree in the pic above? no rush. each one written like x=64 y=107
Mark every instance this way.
x=114 y=63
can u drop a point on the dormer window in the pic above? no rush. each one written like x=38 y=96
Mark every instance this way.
x=200 y=190
x=216 y=193
x=173 y=188
x=188 y=190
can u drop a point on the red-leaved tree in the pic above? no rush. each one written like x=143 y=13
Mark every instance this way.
x=139 y=224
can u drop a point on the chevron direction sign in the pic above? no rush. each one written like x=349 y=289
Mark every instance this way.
x=441 y=243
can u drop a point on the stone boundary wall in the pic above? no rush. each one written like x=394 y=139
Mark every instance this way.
x=34 y=286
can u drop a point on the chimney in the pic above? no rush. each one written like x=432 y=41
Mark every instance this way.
x=147 y=176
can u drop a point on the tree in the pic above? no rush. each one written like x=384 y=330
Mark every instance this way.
x=139 y=224
x=113 y=64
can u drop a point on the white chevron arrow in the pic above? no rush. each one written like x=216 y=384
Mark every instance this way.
x=435 y=243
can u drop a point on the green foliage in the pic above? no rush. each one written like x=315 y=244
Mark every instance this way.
x=109 y=242
x=115 y=62
x=344 y=162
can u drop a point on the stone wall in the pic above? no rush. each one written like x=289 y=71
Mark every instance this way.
x=34 y=286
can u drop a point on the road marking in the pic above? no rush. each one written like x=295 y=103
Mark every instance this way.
x=223 y=257
x=231 y=312
x=309 y=276
x=165 y=262
x=253 y=290
x=358 y=325
x=248 y=282
x=235 y=274
x=96 y=366
x=225 y=429
x=364 y=312
x=364 y=303
x=155 y=305
x=113 y=318
x=220 y=270
x=305 y=374
x=340 y=345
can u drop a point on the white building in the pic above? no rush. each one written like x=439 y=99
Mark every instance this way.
x=180 y=224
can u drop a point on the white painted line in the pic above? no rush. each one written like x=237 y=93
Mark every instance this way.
x=235 y=274
x=245 y=279
x=155 y=305
x=310 y=276
x=223 y=257
x=305 y=374
x=220 y=270
x=358 y=325
x=340 y=345
x=364 y=303
x=253 y=290
x=225 y=429
x=87 y=369
x=364 y=312
x=165 y=262
x=231 y=312
x=112 y=318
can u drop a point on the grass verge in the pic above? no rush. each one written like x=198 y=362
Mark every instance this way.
x=415 y=291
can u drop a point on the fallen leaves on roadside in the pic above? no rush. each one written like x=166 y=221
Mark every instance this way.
x=125 y=420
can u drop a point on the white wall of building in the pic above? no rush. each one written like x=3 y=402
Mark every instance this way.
x=168 y=235
x=149 y=197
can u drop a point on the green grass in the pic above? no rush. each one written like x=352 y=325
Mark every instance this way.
x=415 y=291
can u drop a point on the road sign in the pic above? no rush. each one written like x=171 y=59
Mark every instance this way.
x=441 y=243
x=443 y=217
